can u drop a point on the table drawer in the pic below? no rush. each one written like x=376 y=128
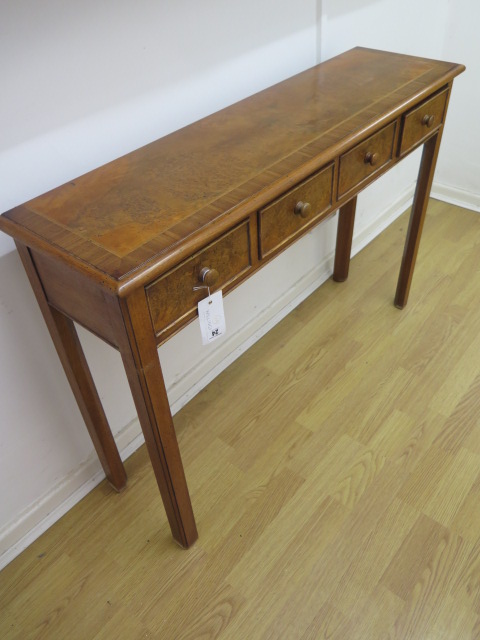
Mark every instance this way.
x=171 y=298
x=282 y=220
x=419 y=123
x=366 y=159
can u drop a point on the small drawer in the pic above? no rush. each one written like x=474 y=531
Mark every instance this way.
x=366 y=159
x=171 y=298
x=419 y=123
x=282 y=220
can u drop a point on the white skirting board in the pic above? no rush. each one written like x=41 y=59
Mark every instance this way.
x=40 y=515
x=459 y=197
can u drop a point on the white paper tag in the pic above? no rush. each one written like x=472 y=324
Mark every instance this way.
x=212 y=317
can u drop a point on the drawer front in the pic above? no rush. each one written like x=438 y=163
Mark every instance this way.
x=366 y=159
x=171 y=298
x=282 y=220
x=419 y=123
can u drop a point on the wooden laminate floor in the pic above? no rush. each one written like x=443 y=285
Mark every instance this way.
x=334 y=472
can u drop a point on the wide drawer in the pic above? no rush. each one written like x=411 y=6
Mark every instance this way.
x=172 y=299
x=419 y=123
x=282 y=220
x=366 y=159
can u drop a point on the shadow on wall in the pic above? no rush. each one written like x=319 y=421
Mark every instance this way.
x=63 y=61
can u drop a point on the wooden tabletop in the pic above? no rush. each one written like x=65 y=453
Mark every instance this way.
x=139 y=210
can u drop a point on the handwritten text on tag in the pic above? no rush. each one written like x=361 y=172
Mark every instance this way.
x=211 y=317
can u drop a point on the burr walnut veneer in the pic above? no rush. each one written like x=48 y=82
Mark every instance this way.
x=120 y=249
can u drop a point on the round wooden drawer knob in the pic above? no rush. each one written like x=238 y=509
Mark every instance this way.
x=371 y=158
x=208 y=276
x=428 y=120
x=303 y=209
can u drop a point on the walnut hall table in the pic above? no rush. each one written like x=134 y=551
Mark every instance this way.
x=120 y=249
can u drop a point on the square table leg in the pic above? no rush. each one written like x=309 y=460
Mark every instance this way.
x=346 y=221
x=70 y=352
x=138 y=348
x=417 y=218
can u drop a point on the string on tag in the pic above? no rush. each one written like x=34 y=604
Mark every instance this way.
x=204 y=286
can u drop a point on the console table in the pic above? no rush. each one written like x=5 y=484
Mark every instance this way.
x=120 y=249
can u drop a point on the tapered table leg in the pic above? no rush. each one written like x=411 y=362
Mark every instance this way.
x=417 y=218
x=70 y=352
x=346 y=221
x=140 y=357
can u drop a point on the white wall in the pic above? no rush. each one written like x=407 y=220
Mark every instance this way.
x=82 y=84
x=458 y=169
